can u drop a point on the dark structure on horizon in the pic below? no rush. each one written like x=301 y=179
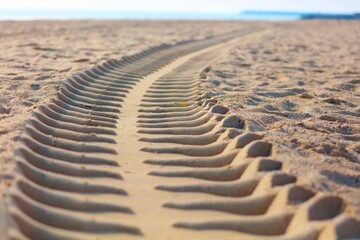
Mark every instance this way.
x=355 y=16
x=307 y=16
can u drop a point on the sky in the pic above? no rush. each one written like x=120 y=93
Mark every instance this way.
x=186 y=6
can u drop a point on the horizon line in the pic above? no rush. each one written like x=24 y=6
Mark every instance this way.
x=184 y=12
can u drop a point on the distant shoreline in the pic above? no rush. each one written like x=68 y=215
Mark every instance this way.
x=115 y=15
x=308 y=15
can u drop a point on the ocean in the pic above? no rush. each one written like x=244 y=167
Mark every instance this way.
x=114 y=15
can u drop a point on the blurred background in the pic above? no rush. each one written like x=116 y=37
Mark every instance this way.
x=179 y=10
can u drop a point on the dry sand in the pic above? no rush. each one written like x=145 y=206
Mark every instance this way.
x=294 y=84
x=299 y=85
x=37 y=56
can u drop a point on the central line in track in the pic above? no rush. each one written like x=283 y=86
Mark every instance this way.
x=145 y=201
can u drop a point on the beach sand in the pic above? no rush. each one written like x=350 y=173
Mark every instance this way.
x=37 y=56
x=299 y=85
x=295 y=85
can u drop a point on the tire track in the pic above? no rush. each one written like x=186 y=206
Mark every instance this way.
x=132 y=148
x=207 y=156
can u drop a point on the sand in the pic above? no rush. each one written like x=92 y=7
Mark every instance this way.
x=37 y=56
x=249 y=134
x=299 y=85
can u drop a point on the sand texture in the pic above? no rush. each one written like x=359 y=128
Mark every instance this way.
x=36 y=57
x=299 y=85
x=245 y=131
